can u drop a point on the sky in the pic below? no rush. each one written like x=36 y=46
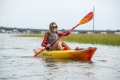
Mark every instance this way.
x=38 y=14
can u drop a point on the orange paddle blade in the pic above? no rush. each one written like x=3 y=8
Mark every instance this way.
x=87 y=18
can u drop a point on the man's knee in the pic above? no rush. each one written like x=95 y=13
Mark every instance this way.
x=63 y=42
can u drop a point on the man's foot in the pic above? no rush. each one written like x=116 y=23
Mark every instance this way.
x=65 y=48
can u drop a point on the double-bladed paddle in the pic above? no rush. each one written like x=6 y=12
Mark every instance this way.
x=86 y=19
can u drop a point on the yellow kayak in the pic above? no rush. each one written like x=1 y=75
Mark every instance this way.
x=80 y=54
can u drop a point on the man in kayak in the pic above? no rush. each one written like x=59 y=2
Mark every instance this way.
x=52 y=35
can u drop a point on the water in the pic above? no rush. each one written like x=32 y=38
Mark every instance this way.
x=17 y=63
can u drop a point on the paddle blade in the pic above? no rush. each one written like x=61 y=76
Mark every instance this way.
x=87 y=18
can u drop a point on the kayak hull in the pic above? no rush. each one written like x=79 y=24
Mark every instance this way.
x=82 y=54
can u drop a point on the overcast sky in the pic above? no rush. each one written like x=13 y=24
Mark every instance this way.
x=66 y=13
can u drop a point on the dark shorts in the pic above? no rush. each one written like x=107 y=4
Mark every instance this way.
x=48 y=48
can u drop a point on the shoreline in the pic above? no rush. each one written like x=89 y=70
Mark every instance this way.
x=104 y=39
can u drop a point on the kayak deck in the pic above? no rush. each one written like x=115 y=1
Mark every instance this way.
x=82 y=54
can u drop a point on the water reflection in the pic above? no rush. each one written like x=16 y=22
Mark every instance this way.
x=69 y=69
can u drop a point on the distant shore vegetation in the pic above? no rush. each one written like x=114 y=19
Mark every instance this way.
x=105 y=39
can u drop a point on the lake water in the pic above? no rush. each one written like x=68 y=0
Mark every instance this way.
x=17 y=63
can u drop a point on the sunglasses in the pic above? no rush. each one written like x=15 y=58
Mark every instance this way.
x=54 y=27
